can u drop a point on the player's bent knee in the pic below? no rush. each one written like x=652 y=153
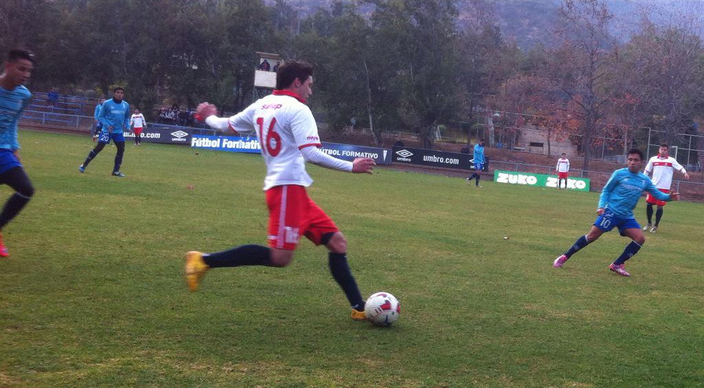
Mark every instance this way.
x=281 y=258
x=27 y=192
x=338 y=243
x=640 y=240
x=593 y=236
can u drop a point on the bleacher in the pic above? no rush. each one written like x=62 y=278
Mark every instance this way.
x=68 y=111
x=67 y=105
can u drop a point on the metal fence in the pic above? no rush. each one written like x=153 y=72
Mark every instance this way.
x=691 y=190
x=70 y=121
x=85 y=123
x=688 y=149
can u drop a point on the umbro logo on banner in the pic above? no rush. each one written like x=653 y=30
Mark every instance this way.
x=404 y=153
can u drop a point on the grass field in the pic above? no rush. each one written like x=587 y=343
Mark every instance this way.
x=93 y=294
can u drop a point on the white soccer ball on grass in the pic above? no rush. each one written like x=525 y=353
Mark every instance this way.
x=382 y=309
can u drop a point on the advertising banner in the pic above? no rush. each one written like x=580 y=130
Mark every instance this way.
x=540 y=180
x=351 y=152
x=251 y=145
x=417 y=156
x=163 y=135
x=227 y=143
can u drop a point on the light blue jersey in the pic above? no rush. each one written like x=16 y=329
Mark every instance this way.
x=96 y=114
x=623 y=190
x=478 y=154
x=116 y=115
x=12 y=103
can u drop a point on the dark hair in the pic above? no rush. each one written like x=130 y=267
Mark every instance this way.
x=664 y=145
x=118 y=88
x=291 y=71
x=636 y=151
x=17 y=54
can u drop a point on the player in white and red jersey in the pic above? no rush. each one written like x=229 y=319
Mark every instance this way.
x=289 y=138
x=138 y=123
x=662 y=167
x=563 y=170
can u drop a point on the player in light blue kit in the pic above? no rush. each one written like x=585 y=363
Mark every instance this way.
x=14 y=97
x=616 y=203
x=98 y=125
x=115 y=117
x=479 y=162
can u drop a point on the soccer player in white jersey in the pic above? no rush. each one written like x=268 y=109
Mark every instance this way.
x=137 y=124
x=563 y=170
x=289 y=138
x=661 y=167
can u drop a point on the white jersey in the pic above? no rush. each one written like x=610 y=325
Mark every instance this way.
x=663 y=169
x=284 y=126
x=563 y=165
x=138 y=121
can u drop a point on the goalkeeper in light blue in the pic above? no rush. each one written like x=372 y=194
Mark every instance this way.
x=615 y=210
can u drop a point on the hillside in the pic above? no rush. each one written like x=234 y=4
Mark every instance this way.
x=530 y=22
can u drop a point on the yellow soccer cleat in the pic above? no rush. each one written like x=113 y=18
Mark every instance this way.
x=195 y=269
x=358 y=315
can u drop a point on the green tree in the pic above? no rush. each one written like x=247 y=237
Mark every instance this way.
x=582 y=63
x=663 y=68
x=416 y=49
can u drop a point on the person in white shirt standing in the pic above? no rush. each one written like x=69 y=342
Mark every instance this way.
x=563 y=170
x=662 y=168
x=289 y=138
x=138 y=123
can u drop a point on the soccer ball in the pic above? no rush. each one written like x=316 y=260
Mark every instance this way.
x=382 y=309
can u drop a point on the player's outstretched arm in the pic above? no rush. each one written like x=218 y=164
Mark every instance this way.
x=207 y=112
x=659 y=195
x=314 y=155
x=363 y=165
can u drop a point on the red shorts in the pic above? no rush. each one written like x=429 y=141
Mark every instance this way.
x=292 y=214
x=138 y=131
x=562 y=175
x=654 y=201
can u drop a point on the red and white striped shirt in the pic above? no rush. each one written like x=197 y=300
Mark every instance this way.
x=663 y=169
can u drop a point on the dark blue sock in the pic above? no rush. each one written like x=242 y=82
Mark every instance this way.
x=579 y=244
x=478 y=176
x=340 y=270
x=658 y=216
x=118 y=156
x=91 y=155
x=630 y=250
x=240 y=256
x=118 y=163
